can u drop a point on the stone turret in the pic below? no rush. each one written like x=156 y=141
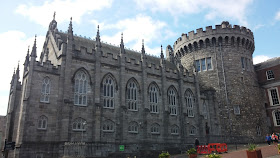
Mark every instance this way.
x=222 y=60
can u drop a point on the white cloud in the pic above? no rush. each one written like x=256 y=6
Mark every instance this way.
x=260 y=58
x=230 y=9
x=277 y=16
x=136 y=29
x=14 y=48
x=64 y=9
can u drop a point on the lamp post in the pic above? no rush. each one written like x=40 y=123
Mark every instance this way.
x=83 y=129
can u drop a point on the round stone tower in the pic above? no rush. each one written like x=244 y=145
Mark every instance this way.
x=221 y=59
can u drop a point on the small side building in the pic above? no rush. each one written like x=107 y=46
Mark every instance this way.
x=268 y=74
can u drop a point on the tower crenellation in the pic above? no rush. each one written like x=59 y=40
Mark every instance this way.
x=197 y=40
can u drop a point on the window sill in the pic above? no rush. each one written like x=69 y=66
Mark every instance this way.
x=45 y=102
x=133 y=132
x=108 y=131
x=79 y=130
x=175 y=134
x=132 y=110
x=80 y=105
x=155 y=133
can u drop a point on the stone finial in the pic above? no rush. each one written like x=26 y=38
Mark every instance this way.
x=27 y=58
x=143 y=48
x=98 y=41
x=122 y=51
x=18 y=70
x=34 y=49
x=54 y=15
x=161 y=52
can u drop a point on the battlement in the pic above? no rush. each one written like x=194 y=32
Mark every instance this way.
x=223 y=36
x=224 y=28
x=47 y=67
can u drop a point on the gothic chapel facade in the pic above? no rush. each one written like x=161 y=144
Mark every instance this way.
x=104 y=96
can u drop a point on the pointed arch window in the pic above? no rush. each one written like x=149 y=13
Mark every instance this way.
x=190 y=103
x=133 y=127
x=79 y=124
x=155 y=129
x=108 y=92
x=42 y=122
x=154 y=96
x=172 y=96
x=80 y=89
x=192 y=130
x=132 y=96
x=108 y=126
x=174 y=130
x=45 y=91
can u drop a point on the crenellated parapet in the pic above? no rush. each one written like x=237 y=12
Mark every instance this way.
x=223 y=35
x=47 y=67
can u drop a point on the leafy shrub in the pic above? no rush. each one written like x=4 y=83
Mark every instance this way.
x=164 y=155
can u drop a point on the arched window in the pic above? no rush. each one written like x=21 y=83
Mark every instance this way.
x=80 y=89
x=195 y=46
x=186 y=49
x=213 y=41
x=174 y=130
x=155 y=128
x=226 y=40
x=108 y=92
x=190 y=103
x=79 y=124
x=232 y=41
x=192 y=130
x=154 y=96
x=207 y=41
x=132 y=96
x=45 y=91
x=42 y=122
x=133 y=127
x=172 y=101
x=201 y=44
x=108 y=126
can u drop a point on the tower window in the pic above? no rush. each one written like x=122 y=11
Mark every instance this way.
x=45 y=91
x=203 y=64
x=42 y=122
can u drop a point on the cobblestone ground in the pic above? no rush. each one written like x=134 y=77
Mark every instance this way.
x=267 y=152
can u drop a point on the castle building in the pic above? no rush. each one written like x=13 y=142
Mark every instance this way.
x=88 y=98
x=268 y=73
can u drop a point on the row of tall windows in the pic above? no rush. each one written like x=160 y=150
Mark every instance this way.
x=203 y=64
x=81 y=87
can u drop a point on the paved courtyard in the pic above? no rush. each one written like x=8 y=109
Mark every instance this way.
x=239 y=151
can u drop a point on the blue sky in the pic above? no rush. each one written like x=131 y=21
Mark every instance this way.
x=156 y=21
